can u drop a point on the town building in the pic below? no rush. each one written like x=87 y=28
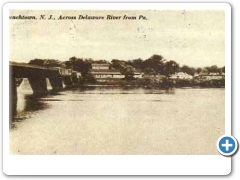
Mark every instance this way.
x=103 y=71
x=109 y=73
x=181 y=75
x=100 y=66
x=210 y=77
x=138 y=75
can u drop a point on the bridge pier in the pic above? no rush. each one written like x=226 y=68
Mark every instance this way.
x=38 y=84
x=56 y=83
x=13 y=88
x=13 y=96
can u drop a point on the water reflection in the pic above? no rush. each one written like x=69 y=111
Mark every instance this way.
x=122 y=90
x=119 y=121
x=25 y=105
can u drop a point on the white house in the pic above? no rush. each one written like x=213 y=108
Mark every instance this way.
x=138 y=75
x=210 y=77
x=64 y=71
x=101 y=74
x=181 y=75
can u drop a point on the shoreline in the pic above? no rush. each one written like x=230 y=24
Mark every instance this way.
x=144 y=86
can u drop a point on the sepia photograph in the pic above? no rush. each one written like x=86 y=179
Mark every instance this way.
x=116 y=82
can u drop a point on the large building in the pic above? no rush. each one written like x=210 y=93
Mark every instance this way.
x=101 y=74
x=103 y=71
x=100 y=66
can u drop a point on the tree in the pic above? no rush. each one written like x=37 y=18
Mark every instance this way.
x=100 y=61
x=149 y=71
x=125 y=68
x=137 y=64
x=223 y=69
x=47 y=62
x=212 y=69
x=156 y=63
x=118 y=64
x=199 y=70
x=170 y=67
x=128 y=72
x=188 y=70
x=205 y=71
x=80 y=65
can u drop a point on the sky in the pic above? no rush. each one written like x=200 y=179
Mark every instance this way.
x=193 y=38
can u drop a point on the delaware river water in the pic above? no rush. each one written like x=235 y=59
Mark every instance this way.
x=116 y=120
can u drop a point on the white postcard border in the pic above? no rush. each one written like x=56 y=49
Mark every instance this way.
x=115 y=164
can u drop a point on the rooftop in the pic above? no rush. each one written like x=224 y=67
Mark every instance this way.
x=105 y=71
x=95 y=64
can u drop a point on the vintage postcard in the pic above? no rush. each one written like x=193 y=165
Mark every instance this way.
x=151 y=79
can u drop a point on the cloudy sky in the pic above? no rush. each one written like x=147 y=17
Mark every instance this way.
x=194 y=38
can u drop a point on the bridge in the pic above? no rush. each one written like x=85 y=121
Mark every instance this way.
x=37 y=76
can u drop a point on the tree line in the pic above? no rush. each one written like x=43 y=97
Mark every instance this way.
x=154 y=65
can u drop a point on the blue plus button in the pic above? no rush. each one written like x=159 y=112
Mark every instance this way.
x=227 y=145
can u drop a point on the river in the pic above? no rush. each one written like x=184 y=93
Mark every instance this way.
x=115 y=120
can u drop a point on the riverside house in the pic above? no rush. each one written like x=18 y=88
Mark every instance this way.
x=181 y=75
x=210 y=76
x=103 y=71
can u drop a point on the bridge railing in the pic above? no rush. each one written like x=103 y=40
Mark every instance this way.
x=30 y=66
x=62 y=71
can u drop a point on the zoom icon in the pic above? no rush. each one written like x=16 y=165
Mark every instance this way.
x=227 y=145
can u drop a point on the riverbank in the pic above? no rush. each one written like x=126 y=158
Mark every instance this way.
x=162 y=84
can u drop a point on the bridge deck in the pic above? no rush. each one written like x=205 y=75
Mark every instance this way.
x=31 y=66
